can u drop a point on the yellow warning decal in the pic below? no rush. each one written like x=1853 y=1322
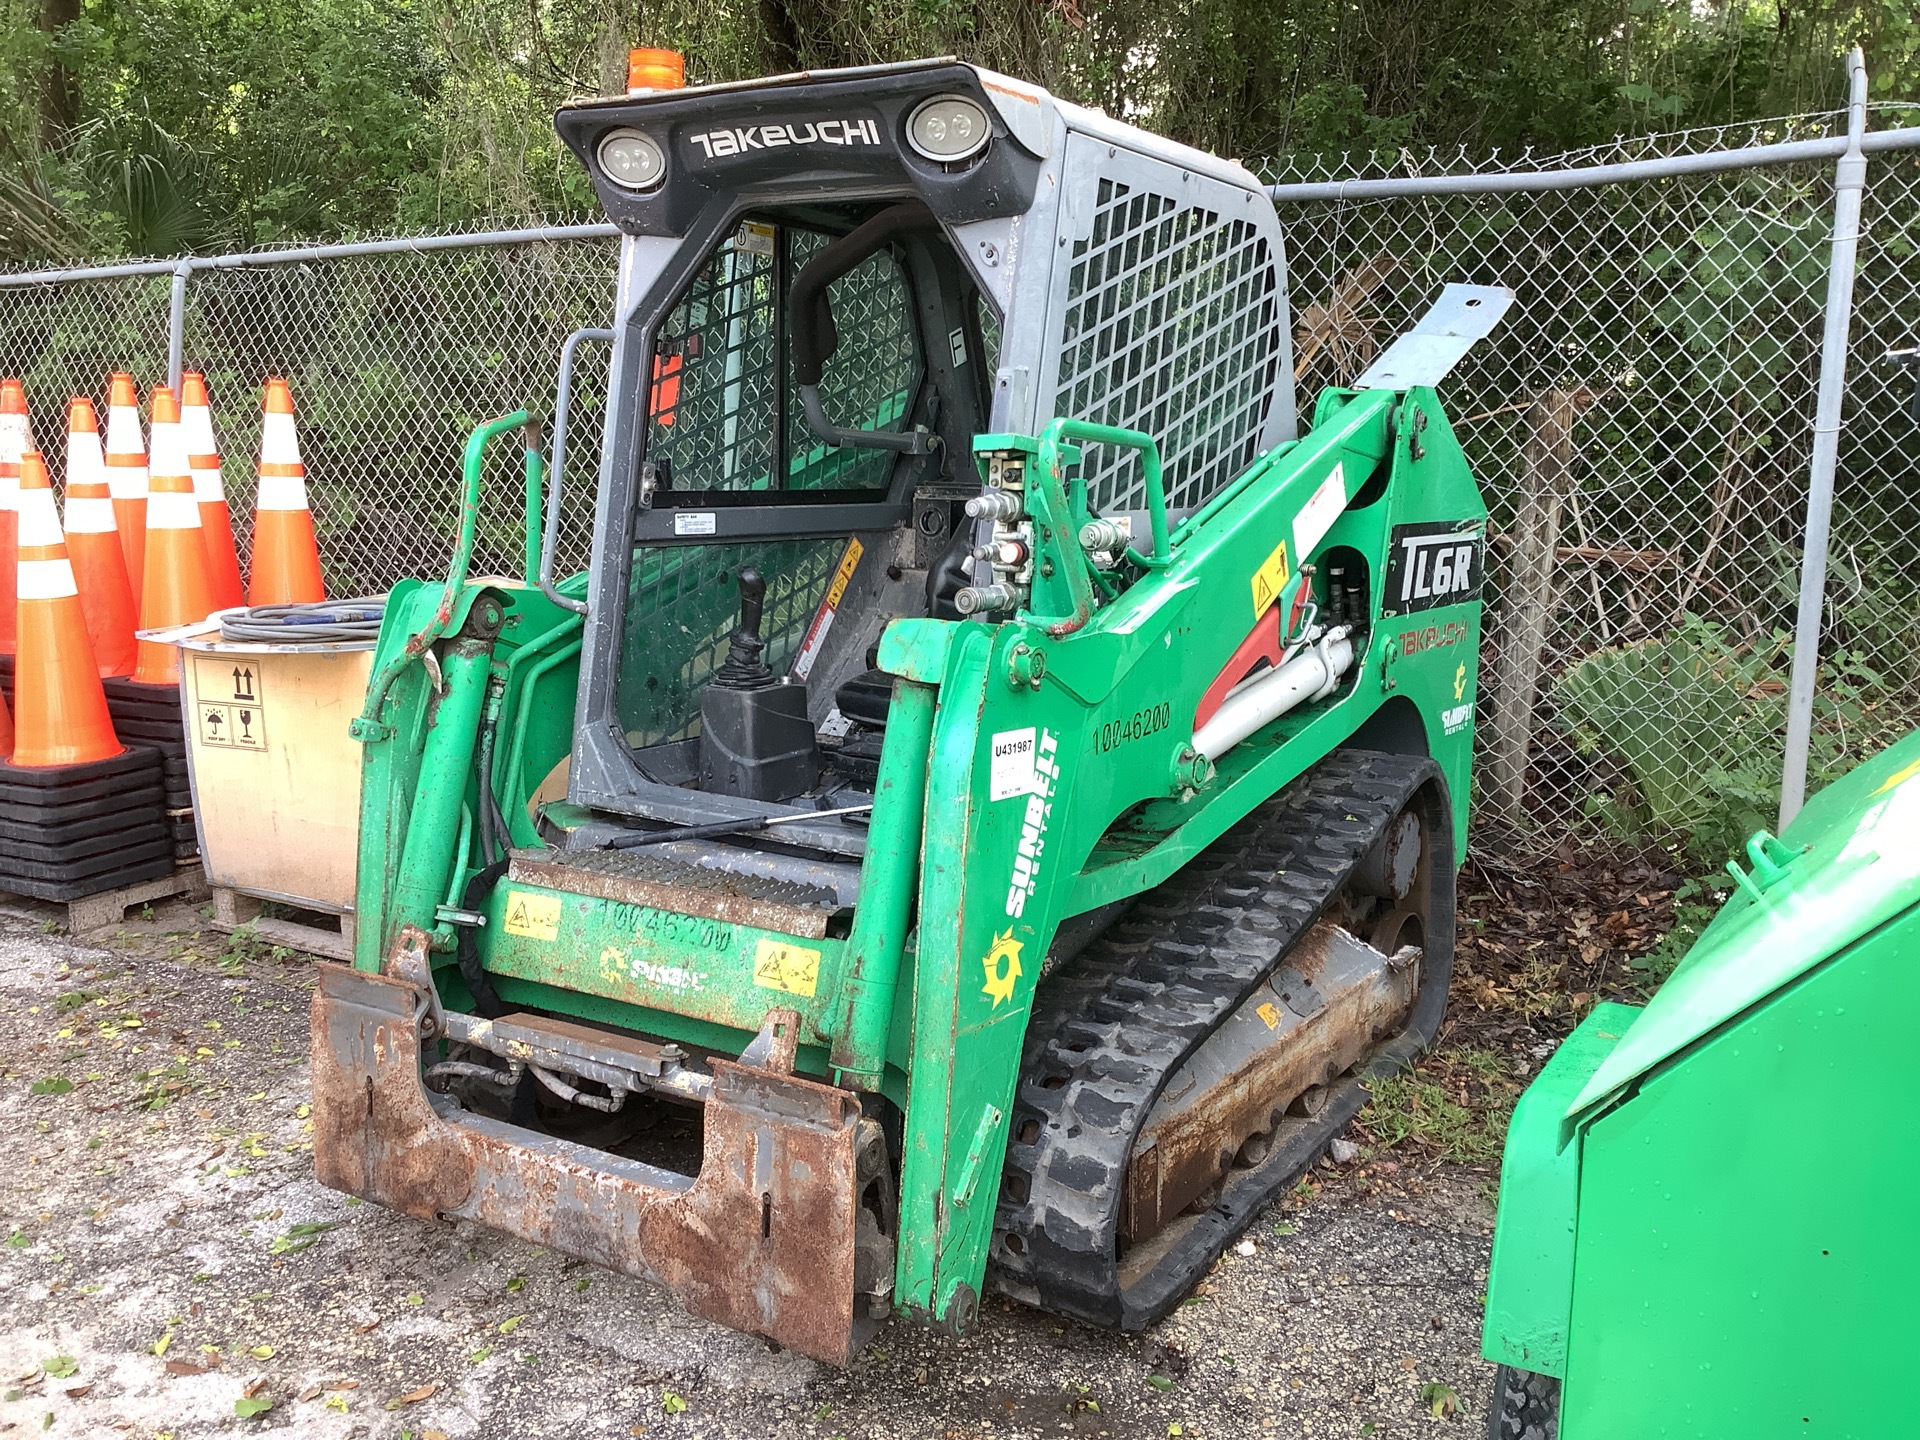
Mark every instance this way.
x=843 y=574
x=1269 y=580
x=1270 y=1013
x=535 y=916
x=793 y=969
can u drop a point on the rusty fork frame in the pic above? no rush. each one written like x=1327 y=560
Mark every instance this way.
x=770 y=1237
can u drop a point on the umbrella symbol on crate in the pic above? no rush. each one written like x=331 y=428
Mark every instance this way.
x=214 y=720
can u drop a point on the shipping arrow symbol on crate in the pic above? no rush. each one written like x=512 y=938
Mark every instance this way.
x=243 y=683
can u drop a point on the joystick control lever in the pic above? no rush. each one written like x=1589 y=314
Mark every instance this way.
x=743 y=668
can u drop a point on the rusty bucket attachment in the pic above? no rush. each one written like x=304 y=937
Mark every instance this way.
x=770 y=1237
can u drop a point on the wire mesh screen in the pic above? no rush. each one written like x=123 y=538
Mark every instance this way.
x=65 y=340
x=682 y=606
x=1171 y=327
x=715 y=405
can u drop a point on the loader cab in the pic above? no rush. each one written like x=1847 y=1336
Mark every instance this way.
x=829 y=285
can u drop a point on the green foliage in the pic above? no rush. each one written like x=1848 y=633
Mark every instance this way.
x=199 y=124
x=1695 y=904
x=1698 y=721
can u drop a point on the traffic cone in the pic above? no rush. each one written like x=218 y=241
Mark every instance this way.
x=16 y=438
x=175 y=588
x=216 y=521
x=60 y=710
x=93 y=545
x=6 y=729
x=127 y=474
x=285 y=561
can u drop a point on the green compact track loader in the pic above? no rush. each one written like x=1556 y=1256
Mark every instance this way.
x=1706 y=1206
x=995 y=794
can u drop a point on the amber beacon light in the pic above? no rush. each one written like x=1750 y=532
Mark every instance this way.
x=651 y=70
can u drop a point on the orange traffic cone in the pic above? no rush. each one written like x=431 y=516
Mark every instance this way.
x=93 y=545
x=285 y=561
x=61 y=710
x=127 y=474
x=6 y=729
x=175 y=588
x=216 y=522
x=16 y=438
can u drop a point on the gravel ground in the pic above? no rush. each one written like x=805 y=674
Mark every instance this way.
x=168 y=1257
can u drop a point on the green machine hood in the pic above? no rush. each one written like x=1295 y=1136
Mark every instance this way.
x=1849 y=862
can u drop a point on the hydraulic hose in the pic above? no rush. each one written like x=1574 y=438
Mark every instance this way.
x=466 y=949
x=326 y=622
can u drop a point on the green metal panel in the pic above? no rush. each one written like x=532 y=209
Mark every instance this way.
x=1530 y=1279
x=1848 y=862
x=714 y=970
x=1745 y=1257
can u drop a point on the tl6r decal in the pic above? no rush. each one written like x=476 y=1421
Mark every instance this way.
x=1432 y=563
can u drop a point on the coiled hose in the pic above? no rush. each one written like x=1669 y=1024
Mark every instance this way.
x=323 y=622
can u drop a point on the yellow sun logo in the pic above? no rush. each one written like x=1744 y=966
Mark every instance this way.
x=1003 y=967
x=1460 y=683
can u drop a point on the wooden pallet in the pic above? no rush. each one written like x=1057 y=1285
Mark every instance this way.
x=109 y=908
x=236 y=909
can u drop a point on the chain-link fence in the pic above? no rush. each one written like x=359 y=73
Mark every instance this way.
x=393 y=357
x=1642 y=423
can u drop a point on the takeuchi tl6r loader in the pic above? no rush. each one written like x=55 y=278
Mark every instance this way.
x=995 y=795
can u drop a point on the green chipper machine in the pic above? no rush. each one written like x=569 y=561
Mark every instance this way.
x=1706 y=1205
x=994 y=795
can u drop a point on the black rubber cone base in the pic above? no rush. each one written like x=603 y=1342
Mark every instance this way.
x=60 y=824
x=129 y=700
x=96 y=798
x=153 y=862
x=85 y=854
x=135 y=766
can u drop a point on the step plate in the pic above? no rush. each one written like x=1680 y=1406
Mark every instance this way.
x=636 y=878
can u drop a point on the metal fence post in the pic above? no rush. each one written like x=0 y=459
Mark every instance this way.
x=1849 y=180
x=177 y=323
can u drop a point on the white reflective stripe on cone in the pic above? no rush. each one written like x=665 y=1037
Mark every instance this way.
x=279 y=442
x=47 y=580
x=172 y=510
x=39 y=521
x=90 y=515
x=127 y=482
x=123 y=428
x=281 y=492
x=169 y=453
x=86 y=464
x=207 y=486
x=16 y=438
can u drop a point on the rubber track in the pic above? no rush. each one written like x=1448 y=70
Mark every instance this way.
x=1108 y=1032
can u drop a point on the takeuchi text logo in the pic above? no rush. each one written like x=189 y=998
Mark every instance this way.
x=738 y=139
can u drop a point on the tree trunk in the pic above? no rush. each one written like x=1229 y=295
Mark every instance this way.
x=60 y=92
x=780 y=32
x=1527 y=606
